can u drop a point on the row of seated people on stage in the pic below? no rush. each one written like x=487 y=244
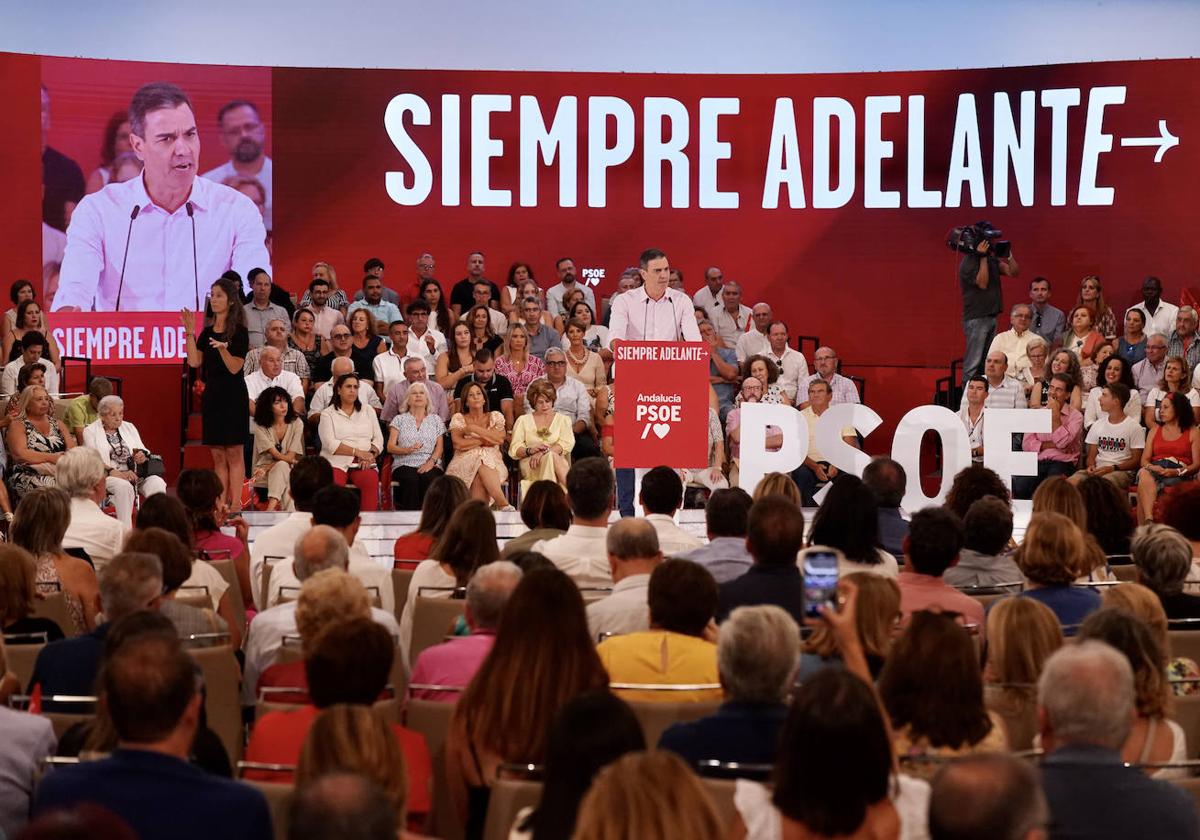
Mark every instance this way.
x=571 y=632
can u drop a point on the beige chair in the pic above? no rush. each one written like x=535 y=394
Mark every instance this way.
x=721 y=793
x=509 y=796
x=1125 y=574
x=401 y=578
x=22 y=657
x=1185 y=643
x=656 y=716
x=236 y=598
x=194 y=596
x=54 y=607
x=433 y=619
x=432 y=720
x=279 y=798
x=264 y=578
x=223 y=684
x=62 y=721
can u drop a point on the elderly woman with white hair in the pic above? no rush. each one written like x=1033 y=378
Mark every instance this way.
x=123 y=453
x=415 y=443
x=758 y=655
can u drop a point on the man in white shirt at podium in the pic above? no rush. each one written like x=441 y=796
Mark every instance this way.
x=157 y=242
x=650 y=312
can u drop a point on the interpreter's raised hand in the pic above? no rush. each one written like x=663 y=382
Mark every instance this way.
x=188 y=318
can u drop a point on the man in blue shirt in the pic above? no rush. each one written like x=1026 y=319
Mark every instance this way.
x=725 y=556
x=148 y=687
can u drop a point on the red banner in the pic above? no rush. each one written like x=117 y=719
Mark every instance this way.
x=661 y=404
x=142 y=338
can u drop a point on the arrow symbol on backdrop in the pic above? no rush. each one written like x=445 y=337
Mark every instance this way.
x=1164 y=141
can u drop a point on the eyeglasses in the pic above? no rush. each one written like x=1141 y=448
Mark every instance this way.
x=341 y=335
x=555 y=363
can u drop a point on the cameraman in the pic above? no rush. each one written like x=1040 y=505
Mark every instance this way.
x=979 y=275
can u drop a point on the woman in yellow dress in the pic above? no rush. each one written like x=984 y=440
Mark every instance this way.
x=542 y=440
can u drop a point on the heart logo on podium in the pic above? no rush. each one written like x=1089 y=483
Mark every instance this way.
x=661 y=429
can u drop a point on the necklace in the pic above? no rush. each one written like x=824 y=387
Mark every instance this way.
x=575 y=359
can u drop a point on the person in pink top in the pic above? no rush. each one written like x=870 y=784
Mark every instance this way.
x=935 y=537
x=452 y=664
x=1057 y=450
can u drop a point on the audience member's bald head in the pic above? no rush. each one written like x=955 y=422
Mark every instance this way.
x=987 y=797
x=320 y=548
x=632 y=539
x=341 y=806
x=488 y=592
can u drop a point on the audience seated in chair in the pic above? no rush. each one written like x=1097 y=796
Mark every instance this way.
x=1086 y=710
x=541 y=659
x=1164 y=564
x=347 y=663
x=935 y=537
x=757 y=662
x=985 y=559
x=320 y=548
x=176 y=562
x=876 y=619
x=724 y=555
x=582 y=552
x=661 y=497
x=1022 y=634
x=122 y=451
x=545 y=512
x=148 y=689
x=887 y=480
x=41 y=521
x=452 y=664
x=774 y=536
x=340 y=804
x=588 y=733
x=309 y=475
x=848 y=520
x=27 y=740
x=81 y=475
x=989 y=796
x=633 y=554
x=675 y=650
x=1050 y=557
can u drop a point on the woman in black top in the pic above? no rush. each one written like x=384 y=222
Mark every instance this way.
x=220 y=350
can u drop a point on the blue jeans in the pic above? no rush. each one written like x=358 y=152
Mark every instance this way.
x=1023 y=486
x=979 y=333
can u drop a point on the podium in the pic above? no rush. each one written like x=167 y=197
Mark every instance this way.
x=660 y=396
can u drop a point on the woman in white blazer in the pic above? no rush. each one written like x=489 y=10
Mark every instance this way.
x=121 y=448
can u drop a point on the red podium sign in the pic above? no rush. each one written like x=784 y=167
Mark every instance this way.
x=661 y=404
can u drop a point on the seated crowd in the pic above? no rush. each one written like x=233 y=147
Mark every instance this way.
x=656 y=683
x=563 y=645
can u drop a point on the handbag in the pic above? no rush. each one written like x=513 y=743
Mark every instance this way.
x=153 y=465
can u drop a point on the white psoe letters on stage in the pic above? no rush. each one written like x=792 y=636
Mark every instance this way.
x=999 y=427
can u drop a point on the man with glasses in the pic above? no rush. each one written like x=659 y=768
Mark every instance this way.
x=343 y=348
x=1048 y=321
x=826 y=363
x=541 y=337
x=1149 y=371
x=423 y=342
x=1014 y=342
x=242 y=134
x=1182 y=342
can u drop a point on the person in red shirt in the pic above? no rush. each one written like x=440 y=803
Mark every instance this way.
x=348 y=663
x=444 y=495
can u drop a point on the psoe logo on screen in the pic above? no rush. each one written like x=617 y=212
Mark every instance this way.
x=592 y=276
x=659 y=412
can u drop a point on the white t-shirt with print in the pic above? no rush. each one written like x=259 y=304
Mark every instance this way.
x=1114 y=441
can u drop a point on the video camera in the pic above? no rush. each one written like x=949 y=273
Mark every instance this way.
x=967 y=238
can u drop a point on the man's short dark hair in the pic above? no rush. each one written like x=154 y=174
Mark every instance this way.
x=1065 y=379
x=562 y=260
x=373 y=263
x=147 y=684
x=886 y=479
x=341 y=806
x=649 y=255
x=317 y=281
x=100 y=387
x=483 y=281
x=988 y=526
x=33 y=338
x=417 y=306
x=236 y=103
x=726 y=513
x=590 y=487
x=682 y=597
x=350 y=662
x=254 y=272
x=935 y=536
x=978 y=377
x=367 y=278
x=986 y=796
x=662 y=491
x=154 y=96
x=483 y=355
x=1120 y=391
x=1039 y=280
x=774 y=531
x=309 y=474
x=335 y=506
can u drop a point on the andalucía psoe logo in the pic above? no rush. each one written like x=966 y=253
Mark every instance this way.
x=659 y=412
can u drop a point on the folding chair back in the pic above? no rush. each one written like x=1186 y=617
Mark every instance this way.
x=508 y=797
x=1185 y=643
x=222 y=681
x=237 y=597
x=401 y=578
x=279 y=797
x=721 y=792
x=1187 y=715
x=432 y=720
x=54 y=607
x=289 y=651
x=23 y=655
x=1191 y=785
x=433 y=619
x=194 y=596
x=655 y=716
x=1125 y=574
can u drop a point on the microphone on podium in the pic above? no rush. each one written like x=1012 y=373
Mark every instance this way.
x=128 y=235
